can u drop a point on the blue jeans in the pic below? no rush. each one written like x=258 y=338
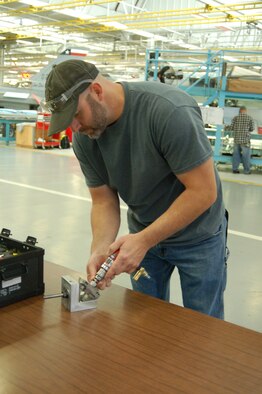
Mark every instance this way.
x=202 y=271
x=241 y=153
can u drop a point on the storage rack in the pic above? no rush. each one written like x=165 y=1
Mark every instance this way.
x=13 y=117
x=211 y=85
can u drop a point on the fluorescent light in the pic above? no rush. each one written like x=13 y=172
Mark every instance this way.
x=147 y=34
x=141 y=33
x=35 y=3
x=115 y=24
x=16 y=95
x=25 y=42
x=230 y=58
x=74 y=13
x=120 y=67
x=188 y=46
x=53 y=39
x=76 y=38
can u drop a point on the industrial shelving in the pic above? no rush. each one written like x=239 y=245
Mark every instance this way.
x=205 y=74
x=9 y=119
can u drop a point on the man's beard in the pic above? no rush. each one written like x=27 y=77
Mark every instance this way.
x=99 y=119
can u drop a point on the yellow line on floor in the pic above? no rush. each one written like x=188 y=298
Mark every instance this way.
x=245 y=235
x=241 y=182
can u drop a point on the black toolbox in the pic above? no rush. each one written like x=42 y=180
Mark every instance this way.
x=21 y=269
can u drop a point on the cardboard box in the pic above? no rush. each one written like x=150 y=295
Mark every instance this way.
x=25 y=135
x=244 y=85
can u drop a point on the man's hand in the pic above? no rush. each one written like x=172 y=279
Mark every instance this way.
x=132 y=249
x=93 y=265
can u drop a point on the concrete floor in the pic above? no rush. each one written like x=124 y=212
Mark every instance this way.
x=43 y=194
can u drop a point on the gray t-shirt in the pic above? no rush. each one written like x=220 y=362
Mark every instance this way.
x=159 y=134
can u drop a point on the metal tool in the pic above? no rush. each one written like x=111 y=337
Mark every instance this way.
x=141 y=272
x=73 y=294
x=90 y=288
x=75 y=298
x=47 y=296
x=81 y=295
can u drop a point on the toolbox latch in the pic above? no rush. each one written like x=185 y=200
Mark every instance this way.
x=5 y=232
x=31 y=240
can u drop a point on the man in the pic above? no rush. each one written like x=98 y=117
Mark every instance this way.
x=242 y=125
x=145 y=142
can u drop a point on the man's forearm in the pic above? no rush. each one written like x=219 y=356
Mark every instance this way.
x=181 y=213
x=105 y=222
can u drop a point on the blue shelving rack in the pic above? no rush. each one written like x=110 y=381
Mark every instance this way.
x=211 y=85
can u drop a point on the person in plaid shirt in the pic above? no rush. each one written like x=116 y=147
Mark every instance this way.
x=242 y=125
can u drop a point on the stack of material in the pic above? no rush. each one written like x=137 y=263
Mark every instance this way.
x=242 y=80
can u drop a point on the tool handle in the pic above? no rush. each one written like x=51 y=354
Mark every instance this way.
x=47 y=296
x=103 y=269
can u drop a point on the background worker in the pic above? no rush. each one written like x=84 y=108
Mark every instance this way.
x=242 y=125
x=161 y=73
x=146 y=143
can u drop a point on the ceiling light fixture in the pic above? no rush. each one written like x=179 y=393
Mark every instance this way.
x=16 y=95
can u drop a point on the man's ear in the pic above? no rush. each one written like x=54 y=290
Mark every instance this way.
x=97 y=89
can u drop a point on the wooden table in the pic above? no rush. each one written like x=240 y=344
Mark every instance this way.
x=131 y=343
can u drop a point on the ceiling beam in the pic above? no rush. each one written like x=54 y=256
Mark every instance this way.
x=141 y=15
x=91 y=26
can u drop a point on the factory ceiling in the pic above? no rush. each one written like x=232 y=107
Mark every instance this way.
x=118 y=32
